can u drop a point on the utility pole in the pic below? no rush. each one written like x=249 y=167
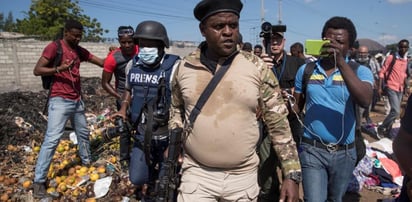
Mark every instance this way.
x=262 y=11
x=280 y=12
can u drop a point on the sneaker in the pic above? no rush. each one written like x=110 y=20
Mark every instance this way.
x=39 y=190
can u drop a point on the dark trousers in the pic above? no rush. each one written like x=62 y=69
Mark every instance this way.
x=268 y=178
x=139 y=171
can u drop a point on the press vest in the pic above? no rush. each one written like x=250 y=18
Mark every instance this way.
x=144 y=83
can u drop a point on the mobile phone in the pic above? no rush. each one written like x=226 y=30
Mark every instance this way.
x=314 y=46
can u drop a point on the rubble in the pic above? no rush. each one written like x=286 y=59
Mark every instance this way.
x=22 y=128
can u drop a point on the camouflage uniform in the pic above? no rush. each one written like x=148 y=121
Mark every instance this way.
x=248 y=81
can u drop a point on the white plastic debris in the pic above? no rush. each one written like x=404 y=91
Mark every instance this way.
x=73 y=137
x=125 y=199
x=27 y=149
x=101 y=186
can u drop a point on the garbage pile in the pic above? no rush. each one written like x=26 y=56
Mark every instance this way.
x=22 y=127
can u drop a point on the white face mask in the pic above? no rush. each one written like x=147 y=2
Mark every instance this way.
x=148 y=54
x=363 y=58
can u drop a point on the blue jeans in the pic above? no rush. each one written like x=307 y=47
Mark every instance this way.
x=60 y=110
x=326 y=175
x=139 y=172
x=395 y=99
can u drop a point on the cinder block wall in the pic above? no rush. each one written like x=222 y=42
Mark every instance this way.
x=18 y=58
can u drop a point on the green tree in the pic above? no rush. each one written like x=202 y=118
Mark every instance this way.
x=46 y=18
x=1 y=21
x=7 y=24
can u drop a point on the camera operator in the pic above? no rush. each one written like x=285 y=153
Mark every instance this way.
x=121 y=127
x=284 y=67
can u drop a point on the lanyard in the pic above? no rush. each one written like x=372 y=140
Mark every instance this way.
x=282 y=69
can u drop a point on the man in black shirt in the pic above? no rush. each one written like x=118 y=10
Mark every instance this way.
x=284 y=67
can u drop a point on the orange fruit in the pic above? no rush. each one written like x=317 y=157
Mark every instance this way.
x=63 y=177
x=51 y=190
x=58 y=179
x=4 y=197
x=91 y=200
x=92 y=169
x=62 y=187
x=101 y=169
x=26 y=184
x=66 y=148
x=60 y=148
x=11 y=148
x=84 y=169
x=113 y=159
x=36 y=149
x=70 y=180
x=94 y=177
x=65 y=162
x=75 y=193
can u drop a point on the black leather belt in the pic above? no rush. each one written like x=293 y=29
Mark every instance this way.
x=327 y=146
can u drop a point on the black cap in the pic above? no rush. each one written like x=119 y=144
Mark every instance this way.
x=279 y=29
x=206 y=8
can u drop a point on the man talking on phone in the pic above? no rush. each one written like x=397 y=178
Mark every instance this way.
x=327 y=150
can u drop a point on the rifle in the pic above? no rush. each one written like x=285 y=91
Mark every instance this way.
x=168 y=182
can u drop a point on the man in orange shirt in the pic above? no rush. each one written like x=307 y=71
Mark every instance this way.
x=397 y=80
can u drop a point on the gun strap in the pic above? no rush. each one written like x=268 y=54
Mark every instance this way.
x=149 y=132
x=209 y=89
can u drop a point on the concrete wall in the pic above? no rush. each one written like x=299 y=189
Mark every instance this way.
x=18 y=58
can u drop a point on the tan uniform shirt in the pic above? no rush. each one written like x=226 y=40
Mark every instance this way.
x=225 y=134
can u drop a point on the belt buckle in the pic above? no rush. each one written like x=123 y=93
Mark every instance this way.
x=332 y=147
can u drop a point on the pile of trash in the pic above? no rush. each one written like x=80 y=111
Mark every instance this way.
x=22 y=127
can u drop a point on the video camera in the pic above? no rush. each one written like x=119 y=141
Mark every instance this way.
x=121 y=127
x=267 y=31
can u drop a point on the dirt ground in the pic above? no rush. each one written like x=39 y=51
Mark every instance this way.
x=18 y=165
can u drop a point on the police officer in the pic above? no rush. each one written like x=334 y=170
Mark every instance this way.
x=148 y=97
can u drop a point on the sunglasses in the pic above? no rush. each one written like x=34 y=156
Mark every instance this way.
x=125 y=32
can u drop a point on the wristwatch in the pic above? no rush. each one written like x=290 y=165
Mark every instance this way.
x=295 y=176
